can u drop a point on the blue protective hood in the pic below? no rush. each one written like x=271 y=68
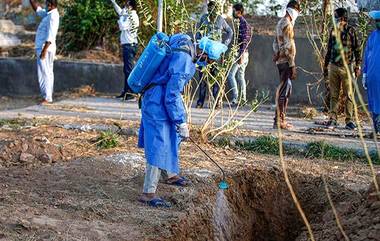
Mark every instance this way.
x=213 y=49
x=182 y=41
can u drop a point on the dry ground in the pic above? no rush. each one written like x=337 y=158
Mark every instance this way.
x=56 y=184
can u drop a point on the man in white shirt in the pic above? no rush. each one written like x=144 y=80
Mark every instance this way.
x=128 y=25
x=45 y=47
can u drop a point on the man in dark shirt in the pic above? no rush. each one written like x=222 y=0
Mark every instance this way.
x=335 y=70
x=237 y=73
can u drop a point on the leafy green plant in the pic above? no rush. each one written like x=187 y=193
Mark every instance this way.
x=87 y=23
x=107 y=140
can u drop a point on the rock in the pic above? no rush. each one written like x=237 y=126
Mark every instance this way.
x=42 y=139
x=374 y=234
x=25 y=147
x=46 y=158
x=375 y=206
x=44 y=221
x=26 y=157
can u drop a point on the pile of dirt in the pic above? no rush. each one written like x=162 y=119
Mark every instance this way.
x=82 y=91
x=98 y=56
x=360 y=219
x=29 y=152
x=39 y=142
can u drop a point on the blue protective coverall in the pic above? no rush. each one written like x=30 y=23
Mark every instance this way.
x=371 y=69
x=162 y=107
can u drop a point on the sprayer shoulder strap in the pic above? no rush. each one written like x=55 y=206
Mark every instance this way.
x=181 y=50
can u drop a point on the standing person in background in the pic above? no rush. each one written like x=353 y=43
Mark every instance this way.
x=284 y=55
x=212 y=25
x=45 y=47
x=128 y=25
x=334 y=67
x=238 y=68
x=371 y=71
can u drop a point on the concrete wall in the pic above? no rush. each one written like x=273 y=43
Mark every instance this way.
x=19 y=76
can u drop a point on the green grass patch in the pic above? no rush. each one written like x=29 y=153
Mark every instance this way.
x=314 y=150
x=327 y=151
x=107 y=140
x=263 y=145
x=13 y=123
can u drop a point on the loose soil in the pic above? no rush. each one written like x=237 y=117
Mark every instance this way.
x=85 y=193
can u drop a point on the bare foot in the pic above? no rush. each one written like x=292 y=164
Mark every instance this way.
x=45 y=102
x=178 y=181
x=146 y=197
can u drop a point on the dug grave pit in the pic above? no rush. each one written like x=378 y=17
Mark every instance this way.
x=258 y=206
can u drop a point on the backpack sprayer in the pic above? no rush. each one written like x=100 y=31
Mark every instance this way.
x=223 y=184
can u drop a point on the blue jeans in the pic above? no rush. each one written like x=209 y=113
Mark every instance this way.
x=129 y=54
x=203 y=87
x=237 y=77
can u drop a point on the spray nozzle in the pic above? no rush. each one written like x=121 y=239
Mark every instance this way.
x=223 y=185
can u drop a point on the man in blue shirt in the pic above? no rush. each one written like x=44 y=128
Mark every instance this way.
x=46 y=47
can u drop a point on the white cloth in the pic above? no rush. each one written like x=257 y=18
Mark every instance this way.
x=47 y=30
x=293 y=14
x=46 y=75
x=128 y=24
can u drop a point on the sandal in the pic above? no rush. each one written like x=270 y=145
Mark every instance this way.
x=156 y=203
x=180 y=182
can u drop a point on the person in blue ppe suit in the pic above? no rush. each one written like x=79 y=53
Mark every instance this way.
x=163 y=123
x=371 y=71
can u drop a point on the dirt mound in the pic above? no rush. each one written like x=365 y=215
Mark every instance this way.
x=29 y=152
x=95 y=56
x=82 y=91
x=360 y=220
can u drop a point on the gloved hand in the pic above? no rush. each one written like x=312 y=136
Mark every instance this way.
x=364 y=81
x=183 y=131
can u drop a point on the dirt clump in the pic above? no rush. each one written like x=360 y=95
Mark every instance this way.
x=94 y=55
x=28 y=152
x=360 y=219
